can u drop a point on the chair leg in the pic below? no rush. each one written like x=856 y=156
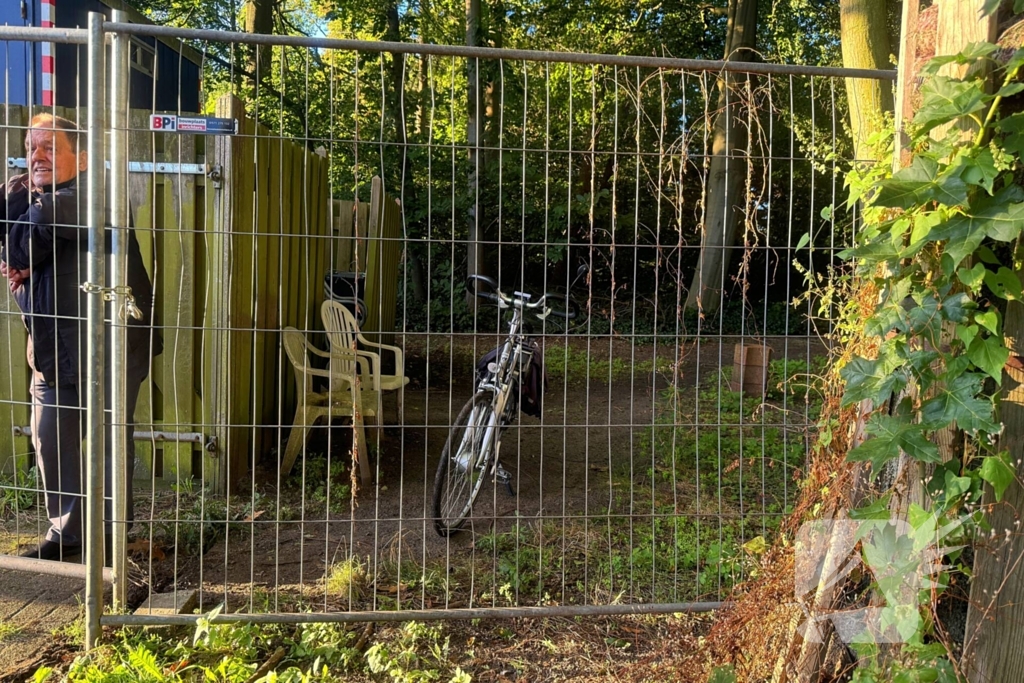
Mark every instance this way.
x=361 y=450
x=296 y=440
x=400 y=399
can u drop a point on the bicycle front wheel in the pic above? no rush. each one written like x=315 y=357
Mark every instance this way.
x=465 y=461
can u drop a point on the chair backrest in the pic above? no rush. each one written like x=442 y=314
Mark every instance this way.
x=295 y=346
x=342 y=332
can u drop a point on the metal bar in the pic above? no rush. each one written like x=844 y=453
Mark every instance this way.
x=495 y=53
x=95 y=343
x=134 y=167
x=50 y=568
x=181 y=437
x=119 y=327
x=35 y=34
x=418 y=615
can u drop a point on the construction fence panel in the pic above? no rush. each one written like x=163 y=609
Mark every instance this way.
x=690 y=213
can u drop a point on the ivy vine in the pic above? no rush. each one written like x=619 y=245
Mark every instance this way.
x=941 y=240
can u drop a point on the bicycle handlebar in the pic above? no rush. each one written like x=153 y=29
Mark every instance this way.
x=538 y=308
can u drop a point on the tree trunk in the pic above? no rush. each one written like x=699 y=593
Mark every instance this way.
x=474 y=263
x=259 y=18
x=725 y=195
x=865 y=41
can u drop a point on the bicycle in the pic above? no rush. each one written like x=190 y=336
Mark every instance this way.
x=471 y=452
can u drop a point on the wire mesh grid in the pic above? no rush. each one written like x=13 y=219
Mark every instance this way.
x=286 y=464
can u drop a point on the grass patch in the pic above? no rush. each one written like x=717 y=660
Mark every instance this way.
x=576 y=366
x=346 y=579
x=9 y=632
x=18 y=491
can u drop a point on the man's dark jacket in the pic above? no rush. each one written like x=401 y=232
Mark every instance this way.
x=45 y=232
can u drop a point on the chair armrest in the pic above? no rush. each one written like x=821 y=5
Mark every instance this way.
x=399 y=355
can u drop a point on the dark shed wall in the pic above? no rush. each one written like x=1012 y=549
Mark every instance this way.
x=15 y=56
x=176 y=76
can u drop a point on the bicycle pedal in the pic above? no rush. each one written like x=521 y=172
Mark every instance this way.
x=502 y=476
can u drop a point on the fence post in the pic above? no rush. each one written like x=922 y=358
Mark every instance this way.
x=220 y=364
x=119 y=330
x=95 y=343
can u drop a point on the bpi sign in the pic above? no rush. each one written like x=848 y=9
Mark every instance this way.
x=204 y=125
x=163 y=123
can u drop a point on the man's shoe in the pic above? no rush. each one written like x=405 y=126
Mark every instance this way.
x=53 y=550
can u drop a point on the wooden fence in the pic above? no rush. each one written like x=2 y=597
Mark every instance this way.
x=235 y=255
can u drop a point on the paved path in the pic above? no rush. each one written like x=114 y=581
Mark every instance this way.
x=36 y=605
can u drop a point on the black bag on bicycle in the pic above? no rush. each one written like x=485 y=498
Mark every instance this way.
x=532 y=384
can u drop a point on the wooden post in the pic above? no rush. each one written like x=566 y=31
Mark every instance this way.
x=221 y=365
x=995 y=615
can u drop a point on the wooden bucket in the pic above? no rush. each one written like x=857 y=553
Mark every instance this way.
x=750 y=369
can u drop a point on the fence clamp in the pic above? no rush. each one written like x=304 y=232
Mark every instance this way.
x=128 y=309
x=215 y=175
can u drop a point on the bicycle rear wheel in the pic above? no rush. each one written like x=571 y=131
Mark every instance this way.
x=465 y=461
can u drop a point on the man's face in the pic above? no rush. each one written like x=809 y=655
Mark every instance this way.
x=51 y=157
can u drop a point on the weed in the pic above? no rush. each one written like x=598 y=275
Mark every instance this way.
x=9 y=631
x=18 y=491
x=347 y=578
x=420 y=653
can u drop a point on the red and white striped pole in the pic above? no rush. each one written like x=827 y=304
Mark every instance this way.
x=48 y=21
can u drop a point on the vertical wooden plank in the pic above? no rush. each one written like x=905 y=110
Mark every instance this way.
x=274 y=375
x=176 y=300
x=14 y=371
x=262 y=395
x=220 y=359
x=242 y=299
x=142 y=191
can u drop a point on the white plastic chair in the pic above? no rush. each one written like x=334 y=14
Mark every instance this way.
x=344 y=336
x=344 y=398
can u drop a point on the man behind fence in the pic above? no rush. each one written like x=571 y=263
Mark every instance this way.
x=45 y=247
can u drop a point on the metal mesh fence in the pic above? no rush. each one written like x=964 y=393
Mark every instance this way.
x=633 y=456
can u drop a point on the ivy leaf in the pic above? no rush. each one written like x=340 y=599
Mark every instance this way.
x=971 y=53
x=1005 y=284
x=955 y=307
x=955 y=486
x=1000 y=217
x=889 y=435
x=1012 y=128
x=945 y=99
x=987 y=256
x=998 y=471
x=918 y=184
x=990 y=355
x=972 y=277
x=989 y=320
x=877 y=509
x=925 y=316
x=967 y=333
x=875 y=252
x=1010 y=89
x=875 y=380
x=875 y=450
x=981 y=169
x=959 y=402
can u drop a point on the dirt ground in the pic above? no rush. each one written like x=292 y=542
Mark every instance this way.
x=562 y=466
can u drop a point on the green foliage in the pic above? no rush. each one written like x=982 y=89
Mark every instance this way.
x=18 y=491
x=934 y=245
x=197 y=519
x=420 y=654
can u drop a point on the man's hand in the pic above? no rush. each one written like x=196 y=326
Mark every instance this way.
x=14 y=276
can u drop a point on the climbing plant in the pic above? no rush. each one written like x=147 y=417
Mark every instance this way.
x=941 y=242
